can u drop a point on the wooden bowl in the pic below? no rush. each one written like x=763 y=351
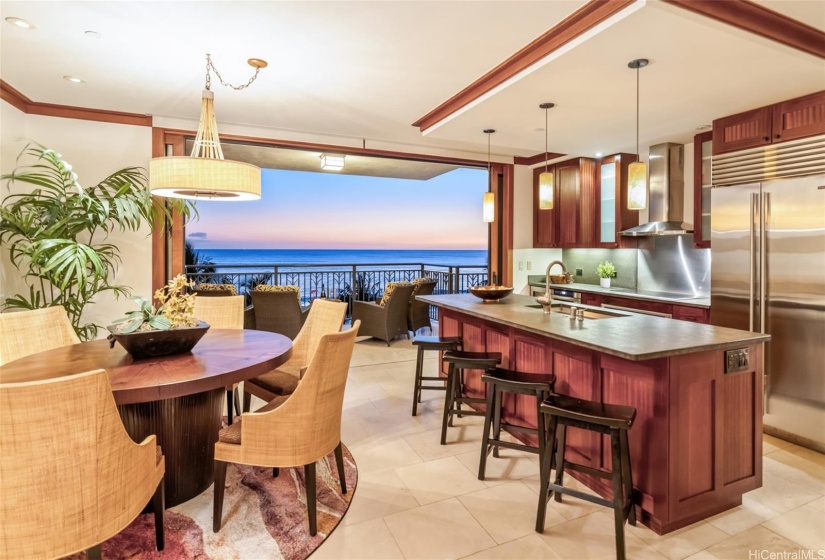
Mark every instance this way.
x=152 y=344
x=491 y=294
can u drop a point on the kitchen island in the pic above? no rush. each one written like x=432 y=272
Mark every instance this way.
x=696 y=445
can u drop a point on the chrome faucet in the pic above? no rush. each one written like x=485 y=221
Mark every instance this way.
x=546 y=301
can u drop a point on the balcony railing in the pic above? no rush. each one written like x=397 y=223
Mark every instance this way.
x=347 y=282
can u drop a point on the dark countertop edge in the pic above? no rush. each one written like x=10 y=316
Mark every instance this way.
x=703 y=302
x=753 y=338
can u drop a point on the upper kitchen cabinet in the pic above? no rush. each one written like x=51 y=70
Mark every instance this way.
x=702 y=148
x=613 y=215
x=572 y=220
x=795 y=118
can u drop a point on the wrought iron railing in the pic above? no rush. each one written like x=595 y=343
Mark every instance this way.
x=347 y=282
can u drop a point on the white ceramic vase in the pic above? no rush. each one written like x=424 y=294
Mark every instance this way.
x=604 y=282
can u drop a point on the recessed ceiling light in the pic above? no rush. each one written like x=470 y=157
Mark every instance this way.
x=21 y=23
x=704 y=127
x=598 y=154
x=74 y=79
x=93 y=34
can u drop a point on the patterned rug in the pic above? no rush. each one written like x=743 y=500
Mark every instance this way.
x=263 y=518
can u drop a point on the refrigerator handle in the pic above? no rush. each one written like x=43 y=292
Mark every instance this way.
x=752 y=254
x=763 y=260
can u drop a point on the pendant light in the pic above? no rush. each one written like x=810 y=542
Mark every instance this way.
x=488 y=211
x=205 y=174
x=546 y=179
x=637 y=171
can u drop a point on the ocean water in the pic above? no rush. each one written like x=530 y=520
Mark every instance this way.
x=224 y=259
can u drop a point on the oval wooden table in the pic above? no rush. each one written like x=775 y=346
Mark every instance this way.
x=179 y=398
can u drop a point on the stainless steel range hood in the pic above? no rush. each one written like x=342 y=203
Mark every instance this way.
x=667 y=193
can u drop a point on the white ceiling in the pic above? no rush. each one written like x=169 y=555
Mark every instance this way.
x=367 y=70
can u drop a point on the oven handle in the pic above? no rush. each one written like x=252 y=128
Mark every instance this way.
x=642 y=311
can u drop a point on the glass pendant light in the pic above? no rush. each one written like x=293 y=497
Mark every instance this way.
x=546 y=179
x=488 y=211
x=637 y=171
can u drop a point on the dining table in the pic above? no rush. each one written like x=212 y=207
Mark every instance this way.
x=179 y=398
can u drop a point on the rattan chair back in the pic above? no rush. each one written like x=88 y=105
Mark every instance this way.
x=65 y=490
x=23 y=333
x=220 y=312
x=418 y=314
x=324 y=317
x=278 y=312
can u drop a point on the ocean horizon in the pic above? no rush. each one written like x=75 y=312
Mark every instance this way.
x=225 y=259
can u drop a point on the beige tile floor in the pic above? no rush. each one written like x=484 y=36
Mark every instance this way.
x=418 y=499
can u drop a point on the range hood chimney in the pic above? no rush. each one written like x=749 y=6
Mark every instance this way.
x=667 y=193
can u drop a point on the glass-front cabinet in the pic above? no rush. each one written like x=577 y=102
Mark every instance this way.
x=702 y=153
x=612 y=202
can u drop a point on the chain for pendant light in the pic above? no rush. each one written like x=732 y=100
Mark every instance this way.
x=638 y=67
x=256 y=63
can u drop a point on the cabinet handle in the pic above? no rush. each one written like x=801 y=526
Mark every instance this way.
x=778 y=136
x=766 y=138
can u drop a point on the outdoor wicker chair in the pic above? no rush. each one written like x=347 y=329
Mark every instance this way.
x=23 y=333
x=418 y=314
x=293 y=431
x=325 y=317
x=278 y=309
x=388 y=318
x=215 y=290
x=68 y=488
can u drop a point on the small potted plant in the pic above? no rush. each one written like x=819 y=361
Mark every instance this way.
x=169 y=328
x=606 y=271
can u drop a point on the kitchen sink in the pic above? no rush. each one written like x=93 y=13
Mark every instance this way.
x=588 y=313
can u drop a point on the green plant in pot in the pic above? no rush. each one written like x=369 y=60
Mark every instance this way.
x=56 y=232
x=605 y=270
x=169 y=328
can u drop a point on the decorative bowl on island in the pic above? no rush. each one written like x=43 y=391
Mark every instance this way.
x=491 y=294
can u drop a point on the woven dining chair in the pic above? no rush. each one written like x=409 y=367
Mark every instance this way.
x=295 y=430
x=67 y=490
x=324 y=317
x=223 y=313
x=23 y=333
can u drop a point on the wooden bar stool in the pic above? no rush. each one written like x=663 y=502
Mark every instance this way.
x=613 y=420
x=430 y=343
x=457 y=363
x=500 y=381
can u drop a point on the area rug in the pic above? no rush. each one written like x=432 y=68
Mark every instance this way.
x=263 y=518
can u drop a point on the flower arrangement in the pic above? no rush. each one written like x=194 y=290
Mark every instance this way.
x=605 y=269
x=175 y=309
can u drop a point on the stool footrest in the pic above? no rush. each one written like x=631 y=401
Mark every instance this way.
x=442 y=379
x=510 y=445
x=577 y=494
x=462 y=412
x=587 y=470
x=519 y=429
x=428 y=388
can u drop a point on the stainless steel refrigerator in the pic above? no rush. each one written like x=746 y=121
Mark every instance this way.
x=768 y=275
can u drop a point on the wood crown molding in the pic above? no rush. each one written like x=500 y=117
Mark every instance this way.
x=538 y=158
x=26 y=105
x=574 y=25
x=757 y=19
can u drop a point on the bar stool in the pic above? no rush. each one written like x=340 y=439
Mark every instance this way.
x=613 y=420
x=430 y=343
x=500 y=381
x=457 y=363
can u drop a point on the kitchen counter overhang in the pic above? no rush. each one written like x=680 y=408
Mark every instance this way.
x=632 y=336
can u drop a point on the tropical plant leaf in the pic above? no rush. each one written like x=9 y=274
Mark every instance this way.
x=160 y=322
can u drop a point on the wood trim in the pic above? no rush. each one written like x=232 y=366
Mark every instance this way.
x=538 y=158
x=582 y=20
x=159 y=229
x=698 y=140
x=507 y=218
x=30 y=107
x=757 y=19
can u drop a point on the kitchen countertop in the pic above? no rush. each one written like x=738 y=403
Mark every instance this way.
x=628 y=293
x=629 y=335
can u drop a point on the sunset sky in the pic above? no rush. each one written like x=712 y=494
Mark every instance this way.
x=303 y=210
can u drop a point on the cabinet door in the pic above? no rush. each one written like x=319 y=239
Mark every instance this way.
x=545 y=222
x=798 y=118
x=641 y=304
x=745 y=130
x=702 y=148
x=608 y=193
x=591 y=299
x=569 y=187
x=694 y=314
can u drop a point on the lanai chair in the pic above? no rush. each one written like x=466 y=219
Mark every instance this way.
x=278 y=309
x=68 y=489
x=386 y=319
x=295 y=430
x=215 y=290
x=418 y=314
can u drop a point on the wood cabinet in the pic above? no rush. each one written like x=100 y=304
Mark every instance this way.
x=611 y=207
x=789 y=120
x=702 y=149
x=689 y=313
x=572 y=220
x=591 y=299
x=640 y=304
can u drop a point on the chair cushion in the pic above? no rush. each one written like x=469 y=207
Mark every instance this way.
x=389 y=290
x=216 y=288
x=281 y=381
x=279 y=288
x=232 y=434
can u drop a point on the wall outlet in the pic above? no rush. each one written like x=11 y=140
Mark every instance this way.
x=579 y=272
x=521 y=265
x=615 y=274
x=529 y=265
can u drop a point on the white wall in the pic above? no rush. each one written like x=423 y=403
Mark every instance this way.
x=95 y=150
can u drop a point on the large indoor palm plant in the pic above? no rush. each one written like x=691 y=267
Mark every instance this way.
x=56 y=232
